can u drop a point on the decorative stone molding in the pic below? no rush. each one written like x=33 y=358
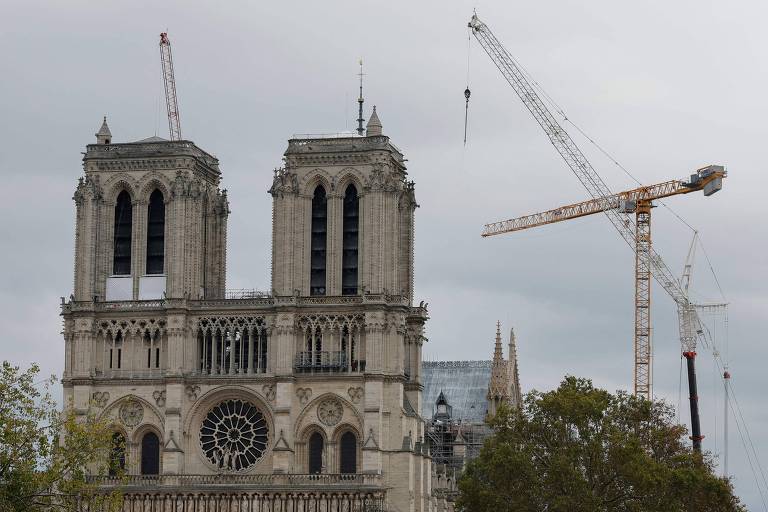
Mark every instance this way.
x=87 y=187
x=330 y=411
x=370 y=441
x=159 y=397
x=270 y=393
x=355 y=394
x=131 y=413
x=192 y=391
x=284 y=182
x=100 y=398
x=304 y=395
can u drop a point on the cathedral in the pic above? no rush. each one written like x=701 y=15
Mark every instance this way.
x=307 y=397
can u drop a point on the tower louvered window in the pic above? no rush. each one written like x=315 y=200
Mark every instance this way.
x=156 y=233
x=315 y=454
x=348 y=453
x=121 y=260
x=350 y=242
x=318 y=246
x=150 y=454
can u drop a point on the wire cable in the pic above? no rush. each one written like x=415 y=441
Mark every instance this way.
x=711 y=269
x=680 y=389
x=557 y=108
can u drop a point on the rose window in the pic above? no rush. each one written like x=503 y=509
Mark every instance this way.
x=234 y=435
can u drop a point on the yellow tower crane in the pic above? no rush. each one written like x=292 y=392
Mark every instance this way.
x=636 y=232
x=638 y=201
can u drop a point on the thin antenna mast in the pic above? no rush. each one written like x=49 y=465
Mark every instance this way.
x=726 y=382
x=360 y=129
x=174 y=125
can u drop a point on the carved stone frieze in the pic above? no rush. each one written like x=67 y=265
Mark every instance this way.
x=100 y=398
x=304 y=394
x=159 y=397
x=270 y=393
x=355 y=394
x=192 y=392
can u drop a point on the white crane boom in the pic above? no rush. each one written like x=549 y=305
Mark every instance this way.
x=169 y=80
x=637 y=236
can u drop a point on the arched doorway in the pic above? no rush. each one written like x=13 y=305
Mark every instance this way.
x=315 y=453
x=150 y=454
x=348 y=453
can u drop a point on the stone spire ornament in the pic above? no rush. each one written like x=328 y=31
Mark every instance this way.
x=374 y=125
x=498 y=355
x=498 y=387
x=104 y=136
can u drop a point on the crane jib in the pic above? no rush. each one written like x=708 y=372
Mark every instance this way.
x=636 y=233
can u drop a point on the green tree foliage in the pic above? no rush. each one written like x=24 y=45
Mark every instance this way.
x=45 y=455
x=582 y=449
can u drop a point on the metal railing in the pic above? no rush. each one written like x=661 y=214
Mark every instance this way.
x=246 y=293
x=326 y=362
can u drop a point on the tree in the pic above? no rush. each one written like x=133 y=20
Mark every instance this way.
x=582 y=449
x=45 y=455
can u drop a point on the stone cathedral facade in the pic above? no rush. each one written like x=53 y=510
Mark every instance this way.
x=303 y=398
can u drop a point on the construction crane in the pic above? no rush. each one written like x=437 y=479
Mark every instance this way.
x=640 y=201
x=171 y=103
x=636 y=234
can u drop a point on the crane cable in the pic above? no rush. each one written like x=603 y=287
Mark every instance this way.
x=557 y=108
x=467 y=91
x=740 y=422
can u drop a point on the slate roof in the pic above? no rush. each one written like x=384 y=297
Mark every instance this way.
x=464 y=384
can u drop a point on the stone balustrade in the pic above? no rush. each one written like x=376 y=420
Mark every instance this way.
x=269 y=481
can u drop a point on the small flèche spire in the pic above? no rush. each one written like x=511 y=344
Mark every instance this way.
x=104 y=136
x=374 y=125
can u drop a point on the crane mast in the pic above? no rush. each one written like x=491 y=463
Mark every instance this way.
x=637 y=234
x=171 y=103
x=707 y=179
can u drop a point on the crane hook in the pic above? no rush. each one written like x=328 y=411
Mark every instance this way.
x=466 y=112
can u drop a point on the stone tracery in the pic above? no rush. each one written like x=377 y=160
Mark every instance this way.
x=234 y=435
x=232 y=345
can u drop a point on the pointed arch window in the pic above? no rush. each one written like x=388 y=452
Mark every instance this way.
x=156 y=233
x=319 y=240
x=315 y=453
x=348 y=453
x=150 y=454
x=121 y=259
x=350 y=242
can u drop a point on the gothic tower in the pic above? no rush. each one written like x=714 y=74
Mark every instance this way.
x=343 y=218
x=151 y=221
x=308 y=393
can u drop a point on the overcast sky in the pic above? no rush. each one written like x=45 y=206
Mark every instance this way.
x=666 y=87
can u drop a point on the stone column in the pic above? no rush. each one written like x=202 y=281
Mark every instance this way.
x=334 y=244
x=173 y=456
x=374 y=437
x=282 y=437
x=374 y=340
x=176 y=342
x=138 y=243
